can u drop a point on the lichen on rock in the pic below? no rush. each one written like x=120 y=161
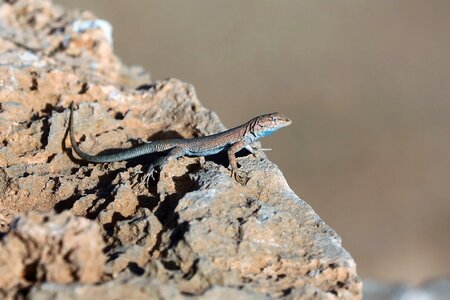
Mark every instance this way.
x=77 y=229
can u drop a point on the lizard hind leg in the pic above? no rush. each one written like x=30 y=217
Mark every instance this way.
x=174 y=153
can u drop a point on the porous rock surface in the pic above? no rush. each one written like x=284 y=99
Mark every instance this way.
x=74 y=230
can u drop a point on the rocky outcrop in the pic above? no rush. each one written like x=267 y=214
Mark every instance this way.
x=76 y=229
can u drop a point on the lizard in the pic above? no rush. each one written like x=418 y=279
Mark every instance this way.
x=231 y=140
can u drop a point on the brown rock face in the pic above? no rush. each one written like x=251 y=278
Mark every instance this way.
x=54 y=248
x=192 y=233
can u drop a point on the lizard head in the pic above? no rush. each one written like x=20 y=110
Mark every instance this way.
x=267 y=124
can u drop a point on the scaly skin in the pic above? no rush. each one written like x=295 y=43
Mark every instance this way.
x=231 y=140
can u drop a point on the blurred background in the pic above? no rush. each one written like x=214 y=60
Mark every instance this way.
x=367 y=84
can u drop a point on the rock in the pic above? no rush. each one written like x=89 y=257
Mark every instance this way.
x=194 y=232
x=135 y=289
x=132 y=241
x=124 y=205
x=53 y=248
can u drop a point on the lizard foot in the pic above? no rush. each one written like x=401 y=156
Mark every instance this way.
x=242 y=179
x=150 y=175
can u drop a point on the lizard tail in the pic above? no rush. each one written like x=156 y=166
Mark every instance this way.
x=78 y=151
x=148 y=148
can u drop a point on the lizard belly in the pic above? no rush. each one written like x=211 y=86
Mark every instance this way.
x=204 y=152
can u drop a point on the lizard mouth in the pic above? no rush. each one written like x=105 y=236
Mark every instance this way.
x=285 y=121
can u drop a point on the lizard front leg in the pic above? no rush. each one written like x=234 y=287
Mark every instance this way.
x=232 y=158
